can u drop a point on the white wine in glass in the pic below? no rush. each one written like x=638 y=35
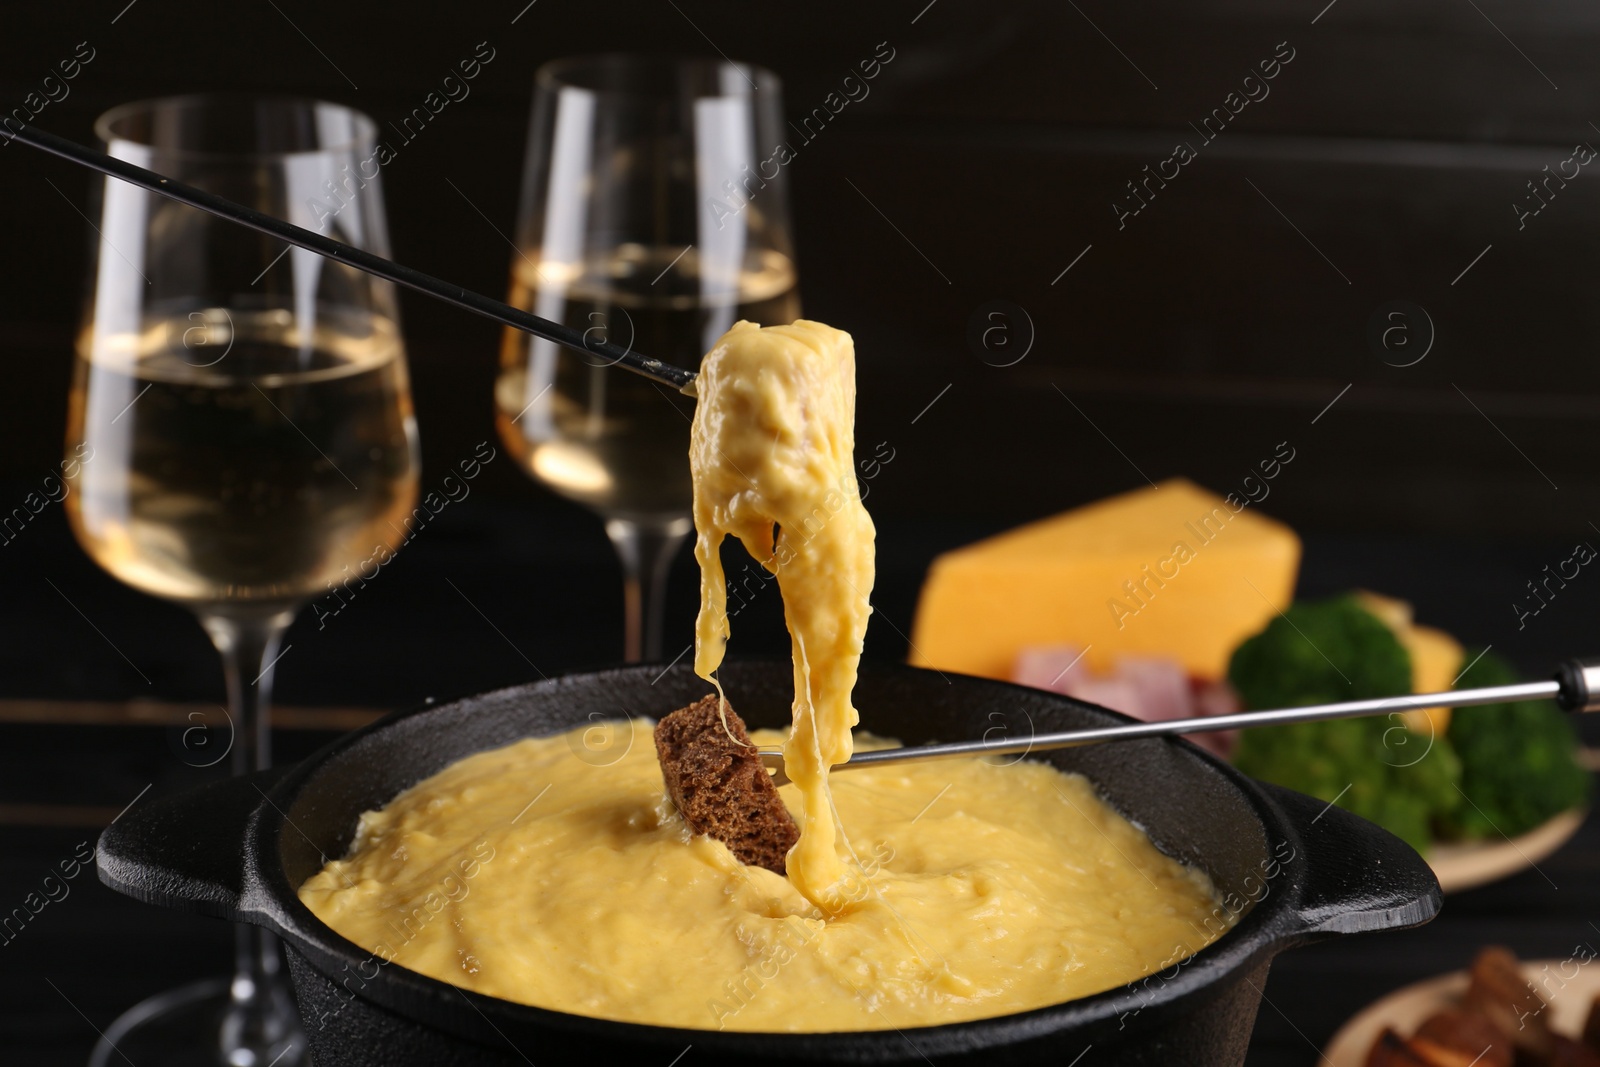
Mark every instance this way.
x=641 y=225
x=255 y=479
x=240 y=437
x=617 y=442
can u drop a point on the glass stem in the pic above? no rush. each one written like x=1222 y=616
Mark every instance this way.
x=647 y=550
x=261 y=1024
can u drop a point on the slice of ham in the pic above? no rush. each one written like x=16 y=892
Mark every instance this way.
x=1216 y=698
x=1118 y=694
x=1163 y=687
x=1148 y=688
x=1055 y=667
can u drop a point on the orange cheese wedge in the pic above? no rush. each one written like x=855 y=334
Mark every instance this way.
x=1172 y=571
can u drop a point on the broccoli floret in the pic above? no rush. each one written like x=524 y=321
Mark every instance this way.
x=1518 y=761
x=1320 y=652
x=1334 y=650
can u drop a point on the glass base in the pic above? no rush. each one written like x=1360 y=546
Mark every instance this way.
x=183 y=1028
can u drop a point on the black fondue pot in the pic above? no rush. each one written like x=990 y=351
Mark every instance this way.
x=1299 y=870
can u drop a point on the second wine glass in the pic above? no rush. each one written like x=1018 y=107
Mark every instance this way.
x=654 y=215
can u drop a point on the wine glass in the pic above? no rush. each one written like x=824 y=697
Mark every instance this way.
x=240 y=433
x=654 y=215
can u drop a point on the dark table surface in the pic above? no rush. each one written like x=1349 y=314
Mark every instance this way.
x=500 y=590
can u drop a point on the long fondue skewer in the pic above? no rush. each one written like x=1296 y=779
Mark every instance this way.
x=1576 y=687
x=676 y=377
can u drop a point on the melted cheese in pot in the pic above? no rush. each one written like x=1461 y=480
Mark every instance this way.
x=555 y=871
x=773 y=457
x=547 y=874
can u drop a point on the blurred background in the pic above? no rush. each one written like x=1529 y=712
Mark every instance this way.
x=1398 y=161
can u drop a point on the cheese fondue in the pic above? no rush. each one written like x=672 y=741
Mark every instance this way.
x=533 y=874
x=963 y=889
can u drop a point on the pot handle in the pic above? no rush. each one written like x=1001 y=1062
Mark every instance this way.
x=1352 y=877
x=186 y=851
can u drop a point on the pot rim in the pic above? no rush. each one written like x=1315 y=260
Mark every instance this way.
x=1266 y=926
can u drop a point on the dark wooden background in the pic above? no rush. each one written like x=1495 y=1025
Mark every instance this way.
x=1206 y=331
x=1224 y=318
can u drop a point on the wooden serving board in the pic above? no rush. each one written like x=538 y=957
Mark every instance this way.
x=1465 y=866
x=1406 y=1008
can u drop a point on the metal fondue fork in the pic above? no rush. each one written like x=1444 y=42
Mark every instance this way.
x=562 y=334
x=1575 y=687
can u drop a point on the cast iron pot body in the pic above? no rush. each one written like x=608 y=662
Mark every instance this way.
x=1299 y=870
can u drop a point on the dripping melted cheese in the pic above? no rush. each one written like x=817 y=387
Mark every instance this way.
x=773 y=457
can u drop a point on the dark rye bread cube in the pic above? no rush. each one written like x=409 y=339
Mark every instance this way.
x=1570 y=1052
x=1591 y=1026
x=1457 y=1038
x=1392 y=1050
x=1499 y=992
x=720 y=786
